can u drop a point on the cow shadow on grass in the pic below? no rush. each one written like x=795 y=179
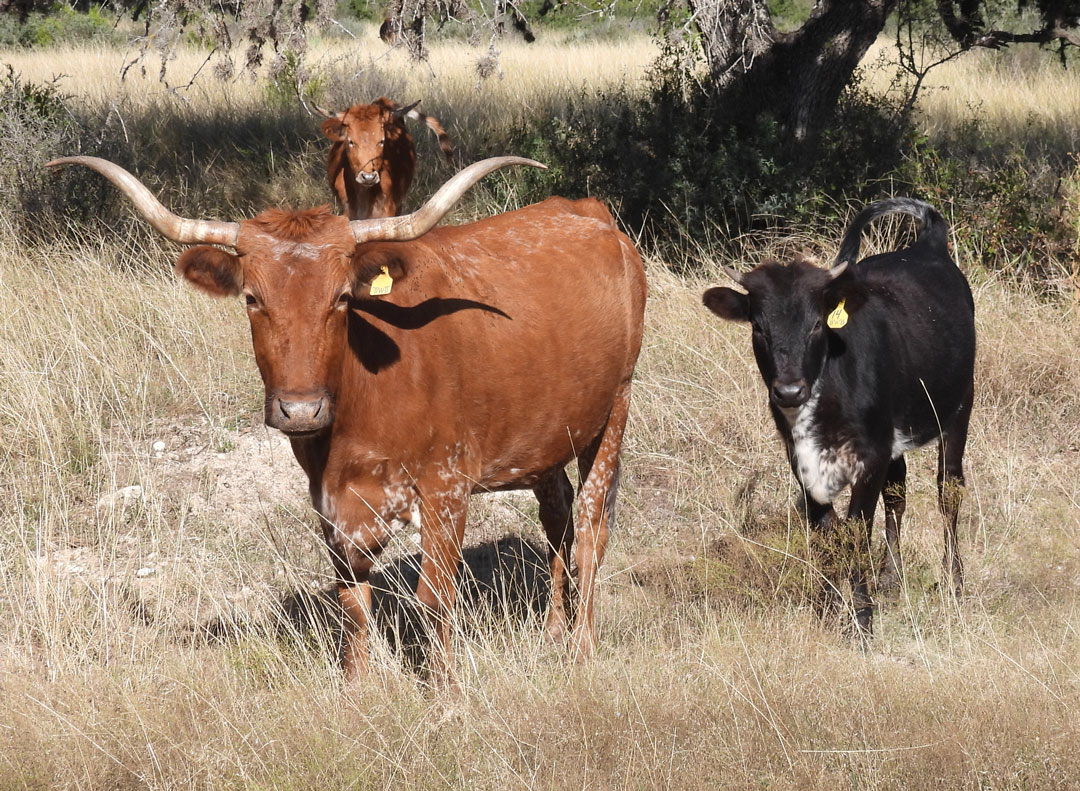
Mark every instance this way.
x=500 y=583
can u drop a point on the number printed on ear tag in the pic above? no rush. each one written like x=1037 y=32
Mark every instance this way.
x=381 y=283
x=838 y=318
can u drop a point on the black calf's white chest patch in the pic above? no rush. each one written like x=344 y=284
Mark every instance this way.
x=823 y=471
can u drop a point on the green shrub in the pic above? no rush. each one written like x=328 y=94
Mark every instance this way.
x=1004 y=206
x=62 y=25
x=364 y=10
x=677 y=168
x=36 y=125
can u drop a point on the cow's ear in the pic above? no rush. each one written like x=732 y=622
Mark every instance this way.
x=727 y=303
x=372 y=268
x=850 y=290
x=209 y=269
x=334 y=129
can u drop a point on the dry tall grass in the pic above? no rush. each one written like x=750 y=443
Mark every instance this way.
x=529 y=75
x=177 y=636
x=1018 y=95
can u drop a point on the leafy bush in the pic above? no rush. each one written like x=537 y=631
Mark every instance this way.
x=63 y=25
x=37 y=125
x=364 y=10
x=1004 y=206
x=677 y=167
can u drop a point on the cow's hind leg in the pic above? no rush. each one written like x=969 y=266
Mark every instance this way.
x=950 y=481
x=555 y=495
x=596 y=502
x=894 y=498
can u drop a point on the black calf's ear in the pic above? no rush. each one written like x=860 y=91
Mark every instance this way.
x=727 y=303
x=852 y=293
x=209 y=269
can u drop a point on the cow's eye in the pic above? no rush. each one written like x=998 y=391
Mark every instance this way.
x=380 y=144
x=343 y=300
x=817 y=327
x=251 y=301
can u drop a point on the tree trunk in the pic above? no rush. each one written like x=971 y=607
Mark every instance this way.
x=794 y=78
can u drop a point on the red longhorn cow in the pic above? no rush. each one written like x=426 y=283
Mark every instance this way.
x=502 y=351
x=372 y=160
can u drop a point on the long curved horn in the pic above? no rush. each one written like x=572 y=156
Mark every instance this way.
x=169 y=225
x=411 y=226
x=837 y=270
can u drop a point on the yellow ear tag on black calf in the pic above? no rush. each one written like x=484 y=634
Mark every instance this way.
x=382 y=283
x=838 y=318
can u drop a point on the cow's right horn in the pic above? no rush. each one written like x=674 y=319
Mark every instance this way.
x=733 y=274
x=401 y=112
x=169 y=225
x=411 y=226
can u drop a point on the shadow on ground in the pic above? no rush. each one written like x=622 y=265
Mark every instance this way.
x=499 y=582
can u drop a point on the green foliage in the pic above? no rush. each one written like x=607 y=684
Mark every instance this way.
x=62 y=25
x=364 y=10
x=677 y=167
x=590 y=20
x=1004 y=207
x=790 y=14
x=280 y=87
x=36 y=125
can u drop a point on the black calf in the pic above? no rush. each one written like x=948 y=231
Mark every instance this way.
x=863 y=362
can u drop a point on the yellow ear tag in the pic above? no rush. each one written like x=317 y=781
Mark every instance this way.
x=381 y=283
x=838 y=318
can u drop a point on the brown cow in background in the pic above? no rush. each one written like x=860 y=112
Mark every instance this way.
x=409 y=375
x=372 y=160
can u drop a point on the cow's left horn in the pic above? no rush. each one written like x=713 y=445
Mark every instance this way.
x=171 y=226
x=411 y=226
x=838 y=270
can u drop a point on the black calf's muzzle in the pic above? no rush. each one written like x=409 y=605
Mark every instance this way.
x=789 y=395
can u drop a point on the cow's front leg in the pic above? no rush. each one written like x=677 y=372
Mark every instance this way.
x=864 y=496
x=357 y=524
x=823 y=520
x=443 y=529
x=353 y=549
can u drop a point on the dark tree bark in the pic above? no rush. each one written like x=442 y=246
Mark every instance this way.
x=795 y=78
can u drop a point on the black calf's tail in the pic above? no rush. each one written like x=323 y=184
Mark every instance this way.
x=934 y=228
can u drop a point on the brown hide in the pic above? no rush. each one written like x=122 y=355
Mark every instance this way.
x=504 y=350
x=370 y=142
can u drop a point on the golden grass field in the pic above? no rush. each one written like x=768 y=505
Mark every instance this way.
x=157 y=638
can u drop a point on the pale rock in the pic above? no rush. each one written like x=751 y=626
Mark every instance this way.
x=121 y=499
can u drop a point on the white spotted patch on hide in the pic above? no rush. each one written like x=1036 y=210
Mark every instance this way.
x=901 y=444
x=823 y=472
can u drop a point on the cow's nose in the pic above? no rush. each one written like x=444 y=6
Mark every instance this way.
x=299 y=416
x=367 y=178
x=789 y=395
